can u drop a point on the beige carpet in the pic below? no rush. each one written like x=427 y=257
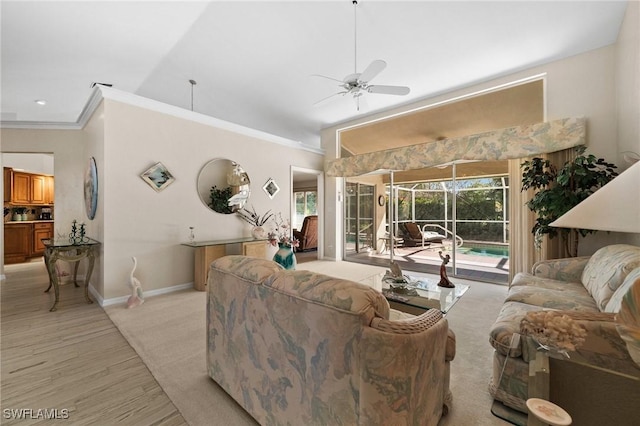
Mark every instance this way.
x=168 y=332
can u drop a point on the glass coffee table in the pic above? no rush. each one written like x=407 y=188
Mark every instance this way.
x=418 y=294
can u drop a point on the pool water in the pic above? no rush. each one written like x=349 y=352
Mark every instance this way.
x=492 y=251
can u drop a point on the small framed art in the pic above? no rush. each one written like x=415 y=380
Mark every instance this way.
x=158 y=177
x=271 y=188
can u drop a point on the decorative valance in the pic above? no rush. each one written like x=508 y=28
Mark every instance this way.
x=503 y=144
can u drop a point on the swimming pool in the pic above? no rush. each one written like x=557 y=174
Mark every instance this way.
x=489 y=251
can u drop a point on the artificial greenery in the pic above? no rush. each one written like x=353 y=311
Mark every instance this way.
x=254 y=218
x=20 y=210
x=220 y=199
x=556 y=191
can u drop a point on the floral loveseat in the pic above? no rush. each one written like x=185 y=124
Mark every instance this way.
x=296 y=347
x=589 y=290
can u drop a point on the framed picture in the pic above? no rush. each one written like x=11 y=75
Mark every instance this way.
x=91 y=188
x=271 y=188
x=158 y=177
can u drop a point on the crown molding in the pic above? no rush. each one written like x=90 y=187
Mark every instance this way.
x=101 y=92
x=40 y=125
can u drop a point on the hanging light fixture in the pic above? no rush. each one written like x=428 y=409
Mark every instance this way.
x=193 y=83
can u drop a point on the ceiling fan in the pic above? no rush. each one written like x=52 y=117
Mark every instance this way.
x=357 y=84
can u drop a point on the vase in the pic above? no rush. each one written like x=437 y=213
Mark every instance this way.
x=285 y=257
x=259 y=233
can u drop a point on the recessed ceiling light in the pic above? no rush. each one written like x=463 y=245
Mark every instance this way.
x=40 y=101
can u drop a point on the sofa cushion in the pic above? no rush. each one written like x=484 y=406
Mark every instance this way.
x=571 y=297
x=334 y=292
x=616 y=299
x=527 y=279
x=606 y=270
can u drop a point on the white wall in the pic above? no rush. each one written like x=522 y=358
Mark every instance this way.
x=137 y=221
x=32 y=163
x=582 y=85
x=94 y=135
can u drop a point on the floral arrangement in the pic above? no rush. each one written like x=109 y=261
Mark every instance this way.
x=553 y=331
x=281 y=234
x=253 y=218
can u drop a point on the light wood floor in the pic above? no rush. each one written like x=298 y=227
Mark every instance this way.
x=73 y=359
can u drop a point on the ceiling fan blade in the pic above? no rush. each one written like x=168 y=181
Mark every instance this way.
x=329 y=78
x=389 y=90
x=329 y=97
x=372 y=70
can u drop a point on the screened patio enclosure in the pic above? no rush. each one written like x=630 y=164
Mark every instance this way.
x=461 y=210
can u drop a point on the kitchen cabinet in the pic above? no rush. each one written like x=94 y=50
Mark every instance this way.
x=7 y=184
x=24 y=240
x=21 y=188
x=40 y=231
x=37 y=183
x=49 y=190
x=17 y=243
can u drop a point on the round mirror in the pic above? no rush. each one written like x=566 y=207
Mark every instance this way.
x=223 y=186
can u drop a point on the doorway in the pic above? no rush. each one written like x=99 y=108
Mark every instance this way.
x=28 y=202
x=307 y=199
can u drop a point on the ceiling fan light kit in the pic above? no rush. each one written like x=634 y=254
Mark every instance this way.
x=357 y=83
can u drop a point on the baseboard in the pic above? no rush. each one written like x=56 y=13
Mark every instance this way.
x=330 y=259
x=150 y=293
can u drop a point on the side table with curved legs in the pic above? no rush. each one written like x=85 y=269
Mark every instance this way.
x=69 y=252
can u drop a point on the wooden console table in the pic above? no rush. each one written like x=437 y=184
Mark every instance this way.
x=208 y=251
x=63 y=249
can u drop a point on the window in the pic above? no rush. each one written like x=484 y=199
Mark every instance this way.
x=305 y=206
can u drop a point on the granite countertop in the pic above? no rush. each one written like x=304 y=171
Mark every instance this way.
x=13 y=222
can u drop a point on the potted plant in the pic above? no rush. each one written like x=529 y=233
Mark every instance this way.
x=556 y=191
x=19 y=213
x=255 y=220
x=220 y=199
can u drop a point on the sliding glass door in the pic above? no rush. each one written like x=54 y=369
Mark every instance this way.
x=359 y=217
x=461 y=210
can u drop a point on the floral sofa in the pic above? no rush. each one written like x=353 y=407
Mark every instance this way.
x=587 y=289
x=296 y=347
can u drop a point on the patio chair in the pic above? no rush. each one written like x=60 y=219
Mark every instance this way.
x=414 y=237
